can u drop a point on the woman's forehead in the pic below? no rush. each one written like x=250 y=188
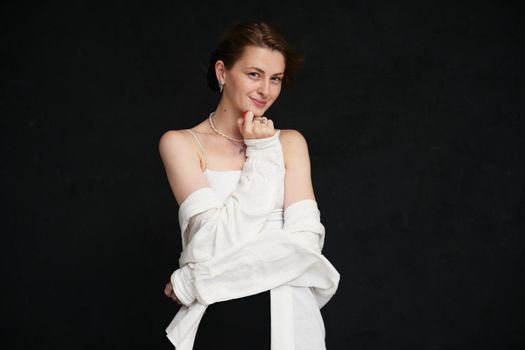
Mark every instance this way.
x=268 y=60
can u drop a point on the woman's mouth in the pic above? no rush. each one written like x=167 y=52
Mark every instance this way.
x=258 y=103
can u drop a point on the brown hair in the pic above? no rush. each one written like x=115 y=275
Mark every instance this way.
x=231 y=46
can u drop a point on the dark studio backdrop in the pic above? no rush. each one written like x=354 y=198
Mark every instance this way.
x=413 y=112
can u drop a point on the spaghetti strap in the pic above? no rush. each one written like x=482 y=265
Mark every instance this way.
x=200 y=145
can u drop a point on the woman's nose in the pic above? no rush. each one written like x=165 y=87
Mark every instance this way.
x=264 y=88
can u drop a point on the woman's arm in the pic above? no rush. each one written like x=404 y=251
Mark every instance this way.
x=298 y=182
x=181 y=163
x=181 y=160
x=299 y=192
x=245 y=211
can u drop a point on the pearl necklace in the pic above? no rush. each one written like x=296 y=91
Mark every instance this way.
x=243 y=147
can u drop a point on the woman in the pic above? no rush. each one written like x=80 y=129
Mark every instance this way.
x=258 y=172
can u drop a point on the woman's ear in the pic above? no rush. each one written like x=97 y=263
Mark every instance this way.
x=220 y=71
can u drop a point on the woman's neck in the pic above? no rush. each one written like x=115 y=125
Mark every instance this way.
x=225 y=120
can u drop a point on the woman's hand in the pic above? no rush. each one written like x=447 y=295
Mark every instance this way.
x=168 y=290
x=255 y=127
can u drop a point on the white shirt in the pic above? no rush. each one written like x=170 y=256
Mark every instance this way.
x=232 y=249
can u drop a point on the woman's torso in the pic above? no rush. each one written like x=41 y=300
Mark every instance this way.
x=242 y=323
x=224 y=183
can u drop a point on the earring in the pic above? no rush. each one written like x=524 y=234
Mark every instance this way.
x=220 y=87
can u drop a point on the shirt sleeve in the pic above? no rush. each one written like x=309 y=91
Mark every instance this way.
x=302 y=220
x=208 y=232
x=291 y=256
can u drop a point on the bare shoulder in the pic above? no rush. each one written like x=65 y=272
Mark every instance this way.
x=298 y=182
x=295 y=150
x=291 y=136
x=177 y=143
x=293 y=143
x=172 y=138
x=181 y=162
x=178 y=146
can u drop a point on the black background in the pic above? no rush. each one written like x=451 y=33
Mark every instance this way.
x=413 y=112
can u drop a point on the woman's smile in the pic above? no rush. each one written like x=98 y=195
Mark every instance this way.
x=258 y=103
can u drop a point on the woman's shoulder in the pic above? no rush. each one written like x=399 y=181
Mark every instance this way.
x=174 y=139
x=291 y=137
x=182 y=135
x=294 y=146
x=173 y=135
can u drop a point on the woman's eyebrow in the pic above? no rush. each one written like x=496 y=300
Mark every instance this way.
x=261 y=71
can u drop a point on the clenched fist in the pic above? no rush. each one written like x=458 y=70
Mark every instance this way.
x=168 y=291
x=255 y=127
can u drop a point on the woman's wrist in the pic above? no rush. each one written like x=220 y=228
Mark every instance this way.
x=262 y=142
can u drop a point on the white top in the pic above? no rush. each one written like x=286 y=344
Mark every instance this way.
x=225 y=181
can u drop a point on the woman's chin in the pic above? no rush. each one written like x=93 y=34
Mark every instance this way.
x=259 y=112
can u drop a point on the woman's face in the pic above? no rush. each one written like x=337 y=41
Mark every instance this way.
x=254 y=81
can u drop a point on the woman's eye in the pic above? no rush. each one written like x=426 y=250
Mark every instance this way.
x=279 y=79
x=254 y=74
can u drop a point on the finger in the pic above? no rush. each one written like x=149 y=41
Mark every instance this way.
x=248 y=118
x=263 y=123
x=258 y=127
x=266 y=131
x=240 y=122
x=175 y=299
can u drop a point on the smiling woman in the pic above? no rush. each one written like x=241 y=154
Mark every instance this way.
x=232 y=45
x=251 y=273
x=254 y=81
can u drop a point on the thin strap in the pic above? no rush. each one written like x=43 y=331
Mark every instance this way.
x=202 y=148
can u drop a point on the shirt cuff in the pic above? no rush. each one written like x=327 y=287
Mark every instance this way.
x=263 y=142
x=182 y=282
